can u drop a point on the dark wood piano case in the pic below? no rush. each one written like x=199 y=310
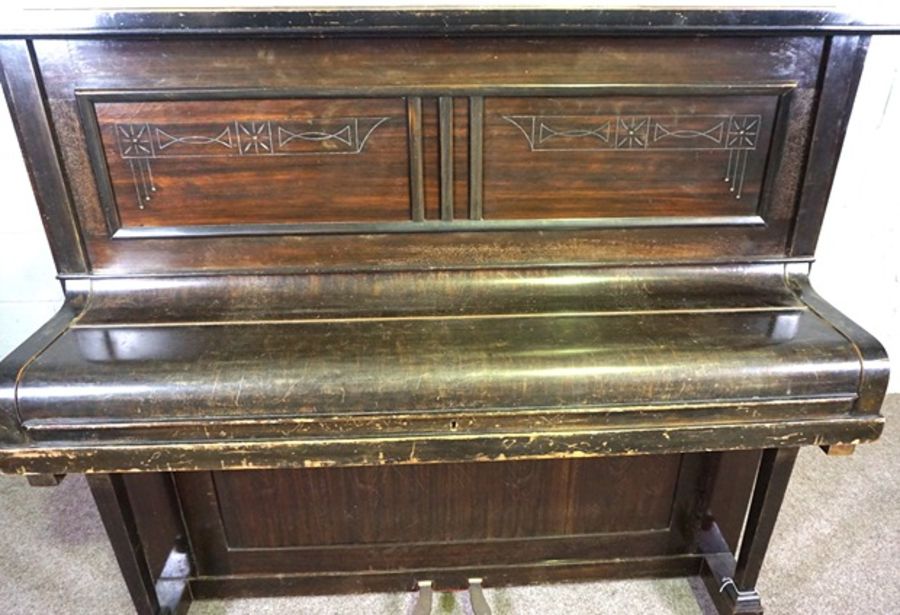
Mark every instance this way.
x=402 y=300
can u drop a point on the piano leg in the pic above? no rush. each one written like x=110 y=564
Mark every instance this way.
x=730 y=583
x=159 y=590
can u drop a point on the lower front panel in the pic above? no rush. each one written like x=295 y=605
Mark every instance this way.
x=490 y=502
x=324 y=530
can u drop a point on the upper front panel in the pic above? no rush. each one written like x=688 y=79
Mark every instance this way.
x=357 y=154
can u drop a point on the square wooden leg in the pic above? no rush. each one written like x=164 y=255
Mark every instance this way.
x=732 y=582
x=154 y=593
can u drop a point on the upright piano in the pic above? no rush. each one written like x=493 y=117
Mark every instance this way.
x=434 y=300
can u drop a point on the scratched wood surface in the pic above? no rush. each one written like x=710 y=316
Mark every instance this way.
x=459 y=358
x=363 y=522
x=526 y=332
x=412 y=365
x=457 y=80
x=433 y=503
x=262 y=161
x=625 y=156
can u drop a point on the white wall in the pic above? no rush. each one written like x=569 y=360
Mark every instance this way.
x=858 y=256
x=858 y=266
x=29 y=292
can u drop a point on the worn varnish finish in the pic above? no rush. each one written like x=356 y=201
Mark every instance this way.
x=347 y=312
x=255 y=161
x=624 y=156
x=717 y=76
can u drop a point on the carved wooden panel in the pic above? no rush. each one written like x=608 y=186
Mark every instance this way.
x=263 y=215
x=625 y=156
x=221 y=162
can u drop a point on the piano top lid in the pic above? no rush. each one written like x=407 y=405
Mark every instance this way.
x=567 y=19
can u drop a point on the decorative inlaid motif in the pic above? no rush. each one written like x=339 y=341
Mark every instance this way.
x=631 y=132
x=736 y=134
x=141 y=143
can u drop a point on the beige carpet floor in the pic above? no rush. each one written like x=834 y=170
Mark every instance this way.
x=836 y=550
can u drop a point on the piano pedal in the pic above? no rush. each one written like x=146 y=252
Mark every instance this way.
x=477 y=599
x=425 y=600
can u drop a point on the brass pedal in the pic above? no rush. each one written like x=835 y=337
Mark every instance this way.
x=477 y=599
x=425 y=600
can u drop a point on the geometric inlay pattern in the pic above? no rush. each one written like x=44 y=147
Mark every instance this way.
x=736 y=134
x=140 y=143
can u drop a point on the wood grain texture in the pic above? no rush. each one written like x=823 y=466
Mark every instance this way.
x=840 y=79
x=256 y=161
x=527 y=292
x=221 y=587
x=443 y=22
x=434 y=503
x=132 y=547
x=611 y=516
x=363 y=366
x=384 y=519
x=171 y=455
x=522 y=329
x=625 y=156
x=568 y=364
x=462 y=136
x=157 y=518
x=454 y=62
x=430 y=67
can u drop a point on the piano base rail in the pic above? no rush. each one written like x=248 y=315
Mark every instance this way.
x=173 y=545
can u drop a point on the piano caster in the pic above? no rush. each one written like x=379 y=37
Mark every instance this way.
x=425 y=600
x=476 y=597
